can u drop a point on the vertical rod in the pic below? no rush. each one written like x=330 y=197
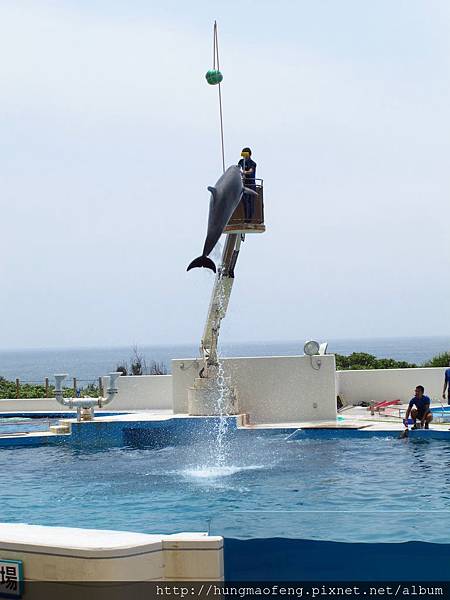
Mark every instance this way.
x=17 y=388
x=100 y=387
x=216 y=57
x=214 y=45
x=221 y=129
x=74 y=387
x=46 y=387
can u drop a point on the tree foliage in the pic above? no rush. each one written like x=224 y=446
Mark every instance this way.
x=441 y=360
x=362 y=360
x=32 y=390
x=139 y=365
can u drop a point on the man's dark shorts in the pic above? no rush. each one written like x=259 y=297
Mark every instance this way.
x=421 y=414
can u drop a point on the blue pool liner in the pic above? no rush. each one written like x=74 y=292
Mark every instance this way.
x=281 y=559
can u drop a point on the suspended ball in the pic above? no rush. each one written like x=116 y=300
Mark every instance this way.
x=213 y=77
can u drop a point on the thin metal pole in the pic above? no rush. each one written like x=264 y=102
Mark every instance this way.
x=216 y=56
x=221 y=129
x=214 y=44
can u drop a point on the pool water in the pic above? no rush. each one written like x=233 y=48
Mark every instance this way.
x=441 y=414
x=28 y=422
x=10 y=425
x=337 y=489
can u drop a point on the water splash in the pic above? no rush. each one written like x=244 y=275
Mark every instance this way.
x=213 y=472
x=222 y=423
x=222 y=393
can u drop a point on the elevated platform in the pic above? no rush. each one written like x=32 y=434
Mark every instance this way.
x=238 y=224
x=245 y=228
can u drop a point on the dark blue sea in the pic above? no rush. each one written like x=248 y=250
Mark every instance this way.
x=87 y=364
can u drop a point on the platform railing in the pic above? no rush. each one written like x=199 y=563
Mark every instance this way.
x=238 y=217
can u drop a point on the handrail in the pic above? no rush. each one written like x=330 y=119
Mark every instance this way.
x=256 y=179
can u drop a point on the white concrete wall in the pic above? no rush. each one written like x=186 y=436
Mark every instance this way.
x=68 y=554
x=388 y=384
x=30 y=405
x=270 y=389
x=142 y=392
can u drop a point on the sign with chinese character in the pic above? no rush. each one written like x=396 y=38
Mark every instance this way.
x=11 y=578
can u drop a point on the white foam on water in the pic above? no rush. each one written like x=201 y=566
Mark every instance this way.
x=216 y=471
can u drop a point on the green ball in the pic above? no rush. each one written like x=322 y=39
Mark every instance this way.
x=213 y=77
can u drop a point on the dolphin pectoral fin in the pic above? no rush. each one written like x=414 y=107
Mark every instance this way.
x=247 y=190
x=202 y=261
x=213 y=190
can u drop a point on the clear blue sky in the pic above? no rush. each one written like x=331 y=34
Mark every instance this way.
x=110 y=137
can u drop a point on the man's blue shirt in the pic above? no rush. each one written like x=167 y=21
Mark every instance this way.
x=447 y=376
x=246 y=164
x=421 y=403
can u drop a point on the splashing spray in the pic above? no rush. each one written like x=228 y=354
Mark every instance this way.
x=222 y=393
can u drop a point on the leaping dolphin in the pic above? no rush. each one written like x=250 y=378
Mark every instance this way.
x=225 y=196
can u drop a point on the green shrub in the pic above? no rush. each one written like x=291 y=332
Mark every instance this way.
x=441 y=360
x=31 y=390
x=361 y=360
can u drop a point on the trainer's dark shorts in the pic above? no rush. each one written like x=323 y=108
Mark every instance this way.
x=422 y=414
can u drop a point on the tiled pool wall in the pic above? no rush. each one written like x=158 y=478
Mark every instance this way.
x=419 y=434
x=281 y=559
x=182 y=430
x=97 y=433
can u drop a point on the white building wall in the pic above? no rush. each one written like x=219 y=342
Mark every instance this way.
x=270 y=389
x=30 y=405
x=142 y=392
x=389 y=384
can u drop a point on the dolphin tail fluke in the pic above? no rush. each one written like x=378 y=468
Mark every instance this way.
x=250 y=191
x=202 y=261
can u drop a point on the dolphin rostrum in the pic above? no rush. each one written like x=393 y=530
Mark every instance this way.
x=225 y=196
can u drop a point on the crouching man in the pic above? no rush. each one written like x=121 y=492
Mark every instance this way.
x=419 y=409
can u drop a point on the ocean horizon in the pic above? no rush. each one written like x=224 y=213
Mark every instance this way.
x=87 y=364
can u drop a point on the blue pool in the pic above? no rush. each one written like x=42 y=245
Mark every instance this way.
x=14 y=423
x=327 y=487
x=441 y=414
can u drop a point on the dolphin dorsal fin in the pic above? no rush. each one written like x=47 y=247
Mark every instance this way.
x=213 y=190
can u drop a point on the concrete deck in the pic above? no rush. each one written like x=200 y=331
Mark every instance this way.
x=356 y=417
